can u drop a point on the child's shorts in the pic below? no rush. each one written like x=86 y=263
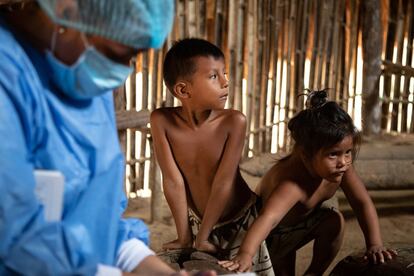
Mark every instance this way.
x=284 y=239
x=228 y=236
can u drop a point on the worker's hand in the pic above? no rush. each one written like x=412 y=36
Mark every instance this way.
x=177 y=244
x=378 y=254
x=205 y=246
x=241 y=263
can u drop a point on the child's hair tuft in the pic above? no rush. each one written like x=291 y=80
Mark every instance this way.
x=316 y=98
x=322 y=124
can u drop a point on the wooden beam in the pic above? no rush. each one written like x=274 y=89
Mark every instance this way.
x=132 y=119
x=395 y=68
x=12 y=2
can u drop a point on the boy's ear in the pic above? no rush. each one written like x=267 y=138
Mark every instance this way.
x=181 y=90
x=303 y=154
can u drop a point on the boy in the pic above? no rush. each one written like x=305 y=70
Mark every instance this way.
x=198 y=147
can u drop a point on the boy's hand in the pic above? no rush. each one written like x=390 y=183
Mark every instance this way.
x=205 y=246
x=241 y=263
x=378 y=254
x=177 y=244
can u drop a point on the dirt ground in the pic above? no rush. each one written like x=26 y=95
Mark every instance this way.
x=396 y=221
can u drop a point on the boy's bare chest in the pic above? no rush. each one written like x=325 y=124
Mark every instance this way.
x=201 y=146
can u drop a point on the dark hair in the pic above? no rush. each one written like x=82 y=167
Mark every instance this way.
x=179 y=60
x=322 y=124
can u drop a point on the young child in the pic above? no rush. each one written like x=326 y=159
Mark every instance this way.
x=198 y=147
x=293 y=190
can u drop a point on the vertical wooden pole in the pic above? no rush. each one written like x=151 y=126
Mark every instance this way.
x=156 y=187
x=132 y=97
x=141 y=164
x=232 y=48
x=257 y=88
x=300 y=56
x=333 y=66
x=274 y=36
x=389 y=51
x=218 y=30
x=401 y=25
x=120 y=104
x=238 y=81
x=408 y=62
x=371 y=51
x=264 y=74
x=251 y=68
x=290 y=62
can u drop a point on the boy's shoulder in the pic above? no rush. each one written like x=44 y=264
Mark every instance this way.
x=231 y=116
x=163 y=112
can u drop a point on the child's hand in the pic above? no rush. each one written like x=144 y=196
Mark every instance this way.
x=378 y=254
x=205 y=246
x=177 y=244
x=241 y=263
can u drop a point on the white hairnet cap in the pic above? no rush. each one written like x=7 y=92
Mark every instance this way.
x=137 y=23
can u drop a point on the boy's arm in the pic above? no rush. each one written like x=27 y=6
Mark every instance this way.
x=282 y=199
x=366 y=214
x=222 y=185
x=173 y=182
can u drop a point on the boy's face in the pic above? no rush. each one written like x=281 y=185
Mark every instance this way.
x=208 y=84
x=331 y=163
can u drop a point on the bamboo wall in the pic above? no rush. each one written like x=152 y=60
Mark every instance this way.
x=274 y=50
x=396 y=84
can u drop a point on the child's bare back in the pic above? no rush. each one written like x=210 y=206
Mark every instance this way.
x=198 y=152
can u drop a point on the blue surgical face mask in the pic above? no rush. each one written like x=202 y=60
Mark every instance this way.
x=91 y=75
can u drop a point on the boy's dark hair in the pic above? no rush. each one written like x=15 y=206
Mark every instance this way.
x=179 y=60
x=322 y=124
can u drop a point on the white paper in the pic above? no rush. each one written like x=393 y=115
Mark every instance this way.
x=49 y=191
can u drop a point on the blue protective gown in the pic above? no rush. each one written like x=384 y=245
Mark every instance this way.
x=41 y=129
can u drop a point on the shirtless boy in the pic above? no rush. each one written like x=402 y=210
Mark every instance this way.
x=198 y=147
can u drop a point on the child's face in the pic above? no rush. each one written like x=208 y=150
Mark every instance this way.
x=331 y=163
x=209 y=84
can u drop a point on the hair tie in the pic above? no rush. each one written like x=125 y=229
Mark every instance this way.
x=315 y=98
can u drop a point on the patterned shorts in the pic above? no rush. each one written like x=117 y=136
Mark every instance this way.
x=227 y=237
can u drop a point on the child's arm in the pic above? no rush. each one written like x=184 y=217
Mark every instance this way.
x=223 y=181
x=364 y=209
x=282 y=199
x=173 y=182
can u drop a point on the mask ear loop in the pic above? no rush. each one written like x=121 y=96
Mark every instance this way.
x=85 y=40
x=56 y=30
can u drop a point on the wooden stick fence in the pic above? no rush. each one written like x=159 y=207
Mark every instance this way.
x=275 y=49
